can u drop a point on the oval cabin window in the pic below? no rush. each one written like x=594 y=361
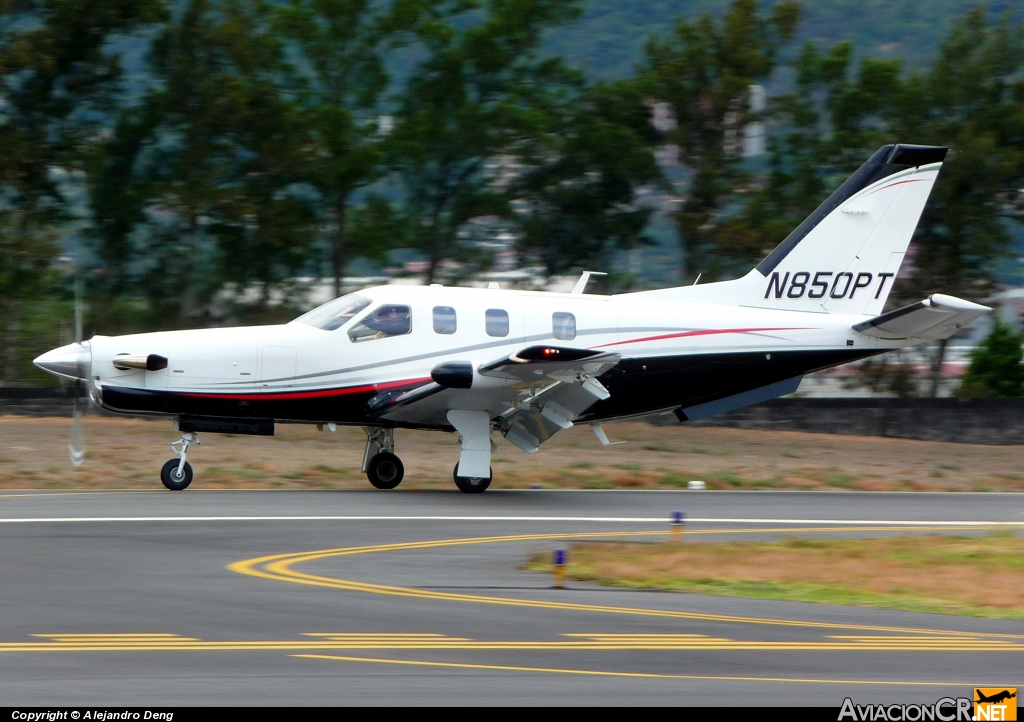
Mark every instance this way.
x=496 y=322
x=444 y=319
x=563 y=325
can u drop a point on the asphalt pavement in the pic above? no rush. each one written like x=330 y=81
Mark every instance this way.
x=417 y=597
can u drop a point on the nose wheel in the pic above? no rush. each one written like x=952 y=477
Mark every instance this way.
x=177 y=473
x=385 y=471
x=381 y=466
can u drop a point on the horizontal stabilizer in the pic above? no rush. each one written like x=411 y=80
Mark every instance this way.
x=934 y=318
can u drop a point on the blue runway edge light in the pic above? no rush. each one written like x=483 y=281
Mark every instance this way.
x=559 y=557
x=678 y=517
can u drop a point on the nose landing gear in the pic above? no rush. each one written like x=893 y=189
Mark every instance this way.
x=381 y=466
x=177 y=473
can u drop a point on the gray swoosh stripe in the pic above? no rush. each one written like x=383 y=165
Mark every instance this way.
x=463 y=349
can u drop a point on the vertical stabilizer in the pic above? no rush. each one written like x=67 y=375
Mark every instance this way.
x=844 y=258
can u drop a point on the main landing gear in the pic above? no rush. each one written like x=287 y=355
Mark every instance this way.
x=177 y=473
x=381 y=466
x=472 y=474
x=472 y=484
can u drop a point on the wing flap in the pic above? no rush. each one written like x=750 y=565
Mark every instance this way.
x=533 y=393
x=542 y=415
x=936 y=317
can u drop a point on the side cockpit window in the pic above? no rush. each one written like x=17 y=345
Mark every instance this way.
x=386 y=321
x=444 y=319
x=563 y=326
x=335 y=314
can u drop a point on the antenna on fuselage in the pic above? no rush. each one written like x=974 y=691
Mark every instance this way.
x=582 y=283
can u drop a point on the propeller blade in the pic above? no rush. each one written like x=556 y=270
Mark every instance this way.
x=76 y=448
x=78 y=306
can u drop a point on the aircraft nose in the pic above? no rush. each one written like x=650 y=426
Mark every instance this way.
x=73 y=361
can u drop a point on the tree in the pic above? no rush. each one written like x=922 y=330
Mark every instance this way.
x=827 y=127
x=340 y=69
x=972 y=99
x=60 y=78
x=474 y=98
x=704 y=70
x=996 y=369
x=580 y=187
x=212 y=156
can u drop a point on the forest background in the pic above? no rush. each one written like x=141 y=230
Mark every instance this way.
x=184 y=163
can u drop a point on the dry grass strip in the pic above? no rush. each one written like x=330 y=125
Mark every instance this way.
x=128 y=454
x=970 y=575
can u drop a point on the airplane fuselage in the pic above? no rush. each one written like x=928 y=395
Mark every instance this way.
x=674 y=354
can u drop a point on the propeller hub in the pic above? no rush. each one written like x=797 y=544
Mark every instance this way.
x=73 y=361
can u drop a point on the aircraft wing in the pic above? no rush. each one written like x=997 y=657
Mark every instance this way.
x=531 y=394
x=551 y=363
x=936 y=317
x=575 y=388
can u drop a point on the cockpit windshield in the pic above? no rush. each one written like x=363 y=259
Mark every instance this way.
x=335 y=314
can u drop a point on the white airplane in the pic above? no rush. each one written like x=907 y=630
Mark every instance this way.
x=528 y=364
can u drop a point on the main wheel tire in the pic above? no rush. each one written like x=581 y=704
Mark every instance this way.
x=172 y=479
x=470 y=485
x=385 y=471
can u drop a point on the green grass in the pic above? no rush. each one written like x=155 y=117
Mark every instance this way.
x=325 y=469
x=841 y=481
x=818 y=594
x=729 y=478
x=905 y=572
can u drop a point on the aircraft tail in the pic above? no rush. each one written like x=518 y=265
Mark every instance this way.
x=845 y=256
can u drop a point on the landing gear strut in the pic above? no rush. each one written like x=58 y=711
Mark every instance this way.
x=475 y=458
x=381 y=466
x=177 y=473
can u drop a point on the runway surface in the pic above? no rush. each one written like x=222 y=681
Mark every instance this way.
x=347 y=597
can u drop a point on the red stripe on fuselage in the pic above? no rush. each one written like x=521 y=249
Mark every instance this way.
x=290 y=395
x=898 y=183
x=702 y=332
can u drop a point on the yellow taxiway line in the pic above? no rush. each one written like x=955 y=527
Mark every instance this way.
x=335 y=641
x=278 y=567
x=640 y=675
